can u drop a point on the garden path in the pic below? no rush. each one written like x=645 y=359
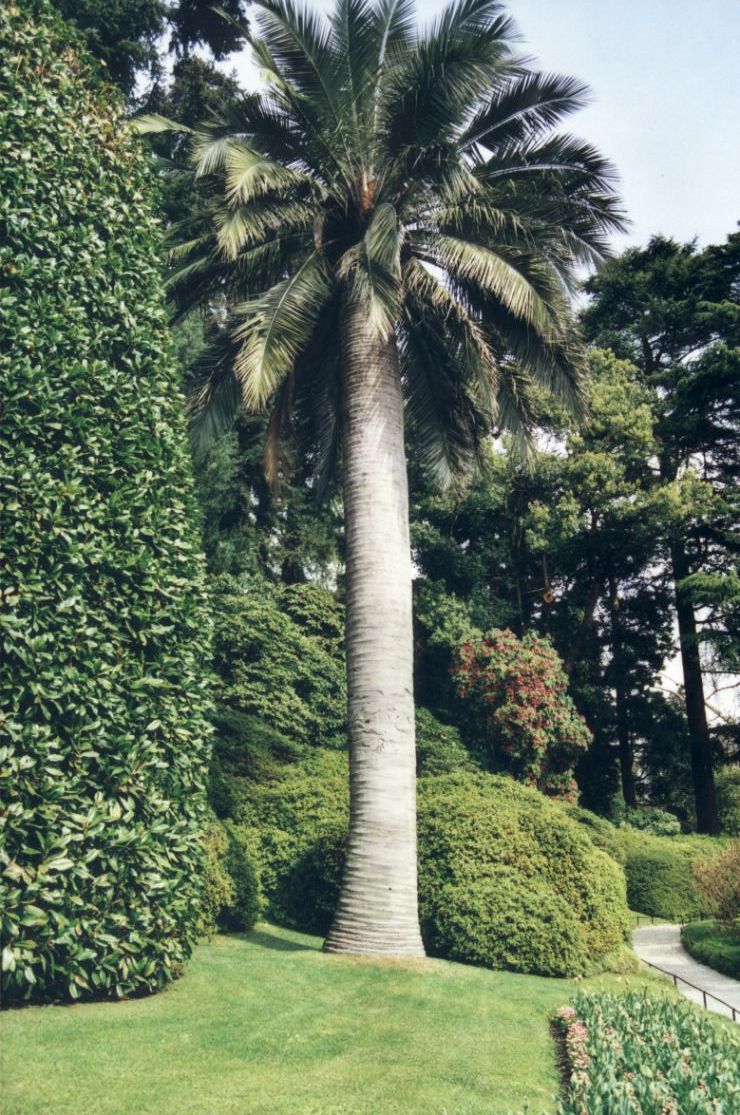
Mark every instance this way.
x=661 y=945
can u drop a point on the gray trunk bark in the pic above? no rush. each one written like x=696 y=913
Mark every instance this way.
x=377 y=912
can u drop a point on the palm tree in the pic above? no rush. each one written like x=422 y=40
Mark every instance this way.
x=393 y=223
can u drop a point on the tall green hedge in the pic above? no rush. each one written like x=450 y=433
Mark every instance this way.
x=103 y=680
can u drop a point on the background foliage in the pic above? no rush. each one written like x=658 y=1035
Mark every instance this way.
x=105 y=635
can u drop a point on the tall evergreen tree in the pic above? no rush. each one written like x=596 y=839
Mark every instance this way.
x=131 y=37
x=673 y=310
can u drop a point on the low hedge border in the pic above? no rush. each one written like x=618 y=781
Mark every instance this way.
x=713 y=944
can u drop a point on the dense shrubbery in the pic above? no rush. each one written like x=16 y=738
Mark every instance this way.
x=728 y=799
x=645 y=818
x=601 y=832
x=639 y=1055
x=515 y=692
x=439 y=749
x=105 y=634
x=659 y=882
x=278 y=653
x=490 y=839
x=714 y=943
x=296 y=829
x=506 y=879
x=231 y=899
x=659 y=869
x=717 y=881
x=218 y=886
x=503 y=920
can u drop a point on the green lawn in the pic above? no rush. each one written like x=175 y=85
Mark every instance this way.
x=268 y=1025
x=711 y=943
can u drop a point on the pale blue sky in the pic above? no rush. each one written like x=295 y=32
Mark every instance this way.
x=665 y=79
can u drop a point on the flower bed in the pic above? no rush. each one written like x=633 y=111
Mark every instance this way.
x=638 y=1055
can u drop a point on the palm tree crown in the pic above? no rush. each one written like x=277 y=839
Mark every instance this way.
x=417 y=172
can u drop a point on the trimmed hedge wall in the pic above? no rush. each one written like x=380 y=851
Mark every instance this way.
x=658 y=869
x=103 y=681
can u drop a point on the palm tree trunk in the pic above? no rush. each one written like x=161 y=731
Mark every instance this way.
x=377 y=912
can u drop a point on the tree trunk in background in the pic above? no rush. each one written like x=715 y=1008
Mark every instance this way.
x=377 y=912
x=705 y=796
x=626 y=759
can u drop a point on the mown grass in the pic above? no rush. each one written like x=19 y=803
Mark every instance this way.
x=713 y=944
x=266 y=1024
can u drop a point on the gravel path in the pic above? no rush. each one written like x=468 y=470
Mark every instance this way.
x=661 y=945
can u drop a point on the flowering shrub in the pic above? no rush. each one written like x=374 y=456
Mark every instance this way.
x=526 y=724
x=639 y=1055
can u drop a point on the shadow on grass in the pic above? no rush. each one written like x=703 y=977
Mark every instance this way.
x=267 y=939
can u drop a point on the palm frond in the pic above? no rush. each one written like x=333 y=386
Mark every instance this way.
x=578 y=162
x=302 y=49
x=449 y=420
x=250 y=174
x=431 y=93
x=215 y=398
x=523 y=106
x=151 y=123
x=276 y=326
x=490 y=270
x=261 y=222
x=517 y=410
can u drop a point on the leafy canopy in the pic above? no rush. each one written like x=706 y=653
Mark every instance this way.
x=417 y=171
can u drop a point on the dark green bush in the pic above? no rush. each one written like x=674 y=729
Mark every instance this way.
x=296 y=829
x=245 y=749
x=242 y=909
x=659 y=882
x=474 y=826
x=306 y=895
x=714 y=943
x=499 y=923
x=728 y=799
x=645 y=818
x=103 y=681
x=231 y=898
x=278 y=654
x=218 y=886
x=601 y=832
x=439 y=749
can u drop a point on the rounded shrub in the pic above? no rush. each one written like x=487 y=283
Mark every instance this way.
x=717 y=882
x=660 y=882
x=231 y=895
x=103 y=679
x=601 y=832
x=218 y=886
x=296 y=830
x=497 y=923
x=487 y=835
